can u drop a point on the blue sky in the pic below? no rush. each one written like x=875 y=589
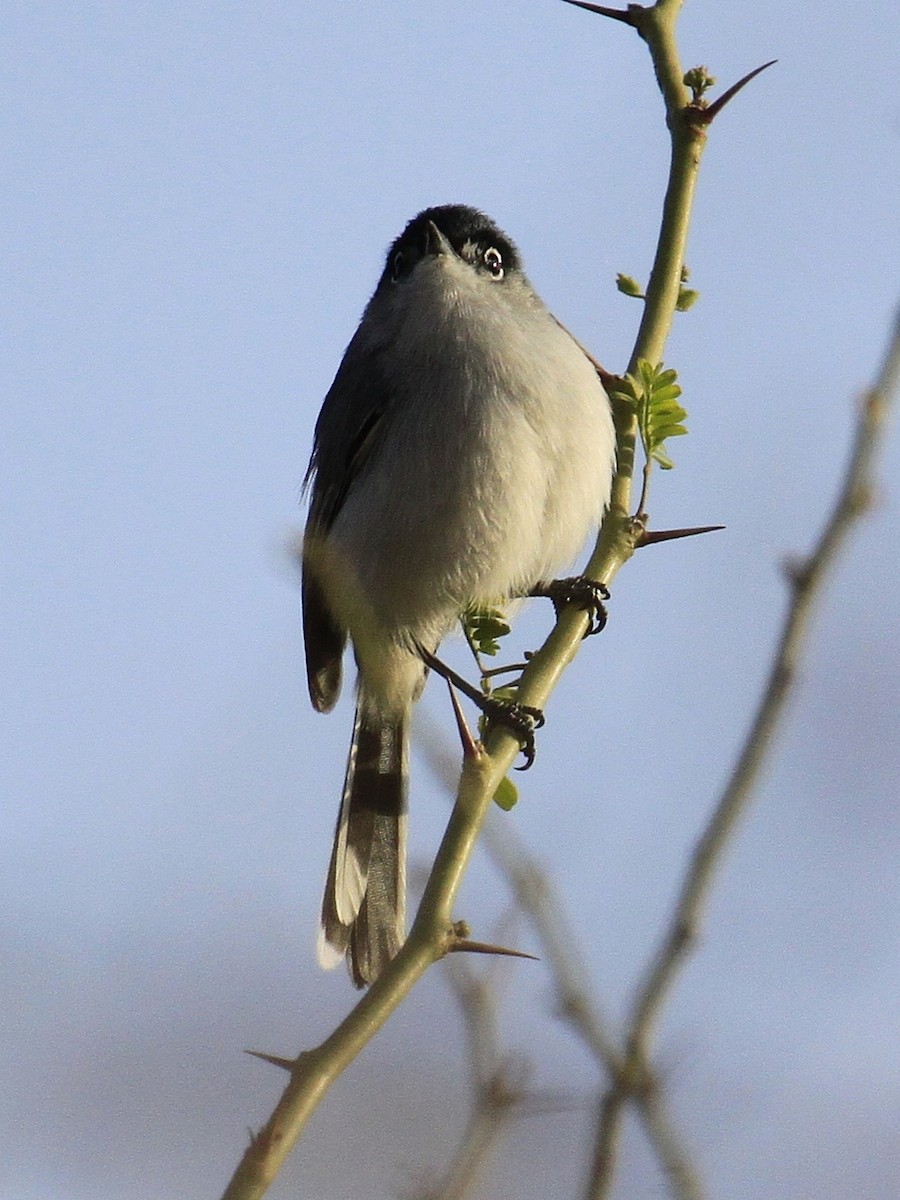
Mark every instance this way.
x=197 y=200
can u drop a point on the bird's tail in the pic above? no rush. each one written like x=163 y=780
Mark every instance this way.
x=364 y=909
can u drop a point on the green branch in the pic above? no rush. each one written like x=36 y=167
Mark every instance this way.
x=431 y=936
x=433 y=932
x=619 y=533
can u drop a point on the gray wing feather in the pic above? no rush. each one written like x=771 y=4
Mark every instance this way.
x=347 y=431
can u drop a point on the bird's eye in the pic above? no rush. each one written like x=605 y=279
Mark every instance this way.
x=398 y=265
x=493 y=260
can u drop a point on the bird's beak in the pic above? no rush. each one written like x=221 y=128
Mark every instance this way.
x=435 y=242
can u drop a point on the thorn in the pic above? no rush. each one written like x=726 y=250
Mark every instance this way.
x=469 y=745
x=263 y=1140
x=615 y=13
x=648 y=537
x=463 y=944
x=706 y=116
x=520 y=719
x=286 y=1064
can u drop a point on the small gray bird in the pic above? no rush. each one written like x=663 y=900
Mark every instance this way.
x=462 y=455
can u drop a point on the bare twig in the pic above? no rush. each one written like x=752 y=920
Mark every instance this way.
x=576 y=998
x=806 y=580
x=501 y=1091
x=496 y=1085
x=579 y=1007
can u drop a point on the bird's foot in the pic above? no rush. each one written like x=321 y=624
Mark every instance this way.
x=587 y=594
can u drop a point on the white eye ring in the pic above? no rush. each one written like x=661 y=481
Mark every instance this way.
x=493 y=260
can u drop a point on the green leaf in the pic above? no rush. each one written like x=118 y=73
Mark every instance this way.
x=484 y=627
x=687 y=298
x=506 y=794
x=629 y=287
x=664 y=398
x=625 y=393
x=654 y=394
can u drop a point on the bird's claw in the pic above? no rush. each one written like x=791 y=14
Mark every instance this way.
x=521 y=720
x=587 y=594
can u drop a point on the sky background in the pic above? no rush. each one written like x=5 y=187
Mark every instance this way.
x=196 y=202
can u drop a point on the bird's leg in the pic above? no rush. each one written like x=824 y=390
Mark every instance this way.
x=520 y=719
x=586 y=593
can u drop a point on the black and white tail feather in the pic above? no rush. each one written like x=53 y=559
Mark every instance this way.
x=364 y=907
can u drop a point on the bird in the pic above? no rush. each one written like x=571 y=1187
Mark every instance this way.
x=461 y=457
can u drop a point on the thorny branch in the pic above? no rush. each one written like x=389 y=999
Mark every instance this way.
x=312 y=1072
x=627 y=1062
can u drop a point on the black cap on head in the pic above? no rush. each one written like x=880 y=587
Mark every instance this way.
x=469 y=231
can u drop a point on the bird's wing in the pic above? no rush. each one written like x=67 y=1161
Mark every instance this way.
x=347 y=431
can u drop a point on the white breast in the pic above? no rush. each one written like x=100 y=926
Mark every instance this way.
x=495 y=463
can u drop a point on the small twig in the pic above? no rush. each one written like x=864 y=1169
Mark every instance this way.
x=806 y=585
x=498 y=1083
x=470 y=641
x=314 y=1071
x=492 y=672
x=647 y=471
x=667 y=1142
x=576 y=1000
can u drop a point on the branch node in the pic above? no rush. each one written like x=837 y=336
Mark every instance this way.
x=263 y=1139
x=796 y=571
x=634 y=1078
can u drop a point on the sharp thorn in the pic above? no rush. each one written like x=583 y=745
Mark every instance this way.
x=286 y=1064
x=469 y=746
x=615 y=13
x=649 y=537
x=706 y=116
x=465 y=945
